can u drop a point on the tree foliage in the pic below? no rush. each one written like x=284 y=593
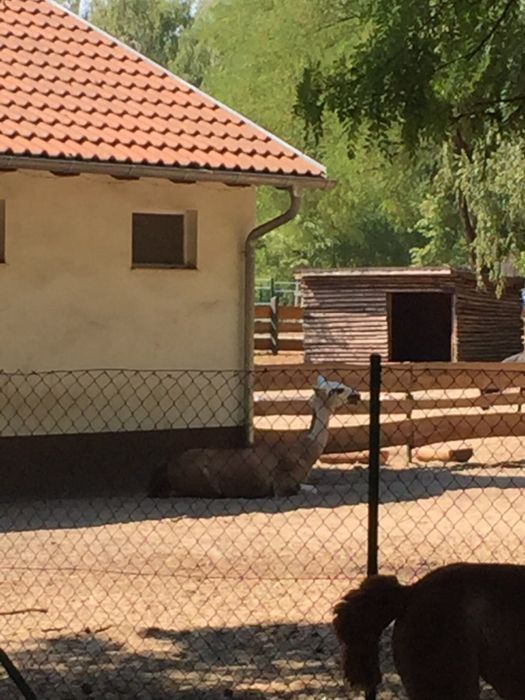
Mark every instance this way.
x=443 y=73
x=152 y=27
x=251 y=54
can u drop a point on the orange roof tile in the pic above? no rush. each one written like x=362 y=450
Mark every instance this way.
x=71 y=92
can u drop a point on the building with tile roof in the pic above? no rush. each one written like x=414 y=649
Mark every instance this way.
x=127 y=210
x=74 y=98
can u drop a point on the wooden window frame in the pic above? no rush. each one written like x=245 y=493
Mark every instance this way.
x=189 y=241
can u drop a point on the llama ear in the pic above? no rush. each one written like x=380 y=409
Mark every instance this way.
x=321 y=382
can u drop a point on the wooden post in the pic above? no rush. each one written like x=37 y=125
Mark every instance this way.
x=274 y=324
x=296 y=293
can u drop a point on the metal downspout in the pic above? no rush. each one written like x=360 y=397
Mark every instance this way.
x=249 y=300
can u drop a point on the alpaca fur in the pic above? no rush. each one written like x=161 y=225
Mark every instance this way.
x=455 y=625
x=261 y=470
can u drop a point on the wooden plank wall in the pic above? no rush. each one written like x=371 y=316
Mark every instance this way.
x=488 y=328
x=346 y=317
x=343 y=322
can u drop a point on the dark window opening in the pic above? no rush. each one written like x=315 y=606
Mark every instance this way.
x=420 y=327
x=162 y=240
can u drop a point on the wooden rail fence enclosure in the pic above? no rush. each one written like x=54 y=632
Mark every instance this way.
x=422 y=403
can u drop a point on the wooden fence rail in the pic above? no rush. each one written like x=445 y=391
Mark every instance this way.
x=413 y=432
x=421 y=403
x=278 y=328
x=267 y=406
x=397 y=377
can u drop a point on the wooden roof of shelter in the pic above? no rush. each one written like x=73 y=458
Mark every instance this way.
x=438 y=271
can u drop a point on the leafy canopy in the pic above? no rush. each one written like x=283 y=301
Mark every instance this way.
x=251 y=54
x=152 y=27
x=447 y=75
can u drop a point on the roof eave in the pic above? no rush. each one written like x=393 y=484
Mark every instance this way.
x=129 y=170
x=441 y=271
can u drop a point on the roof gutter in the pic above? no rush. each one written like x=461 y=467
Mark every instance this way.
x=249 y=299
x=126 y=170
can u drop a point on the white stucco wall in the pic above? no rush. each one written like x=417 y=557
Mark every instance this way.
x=69 y=298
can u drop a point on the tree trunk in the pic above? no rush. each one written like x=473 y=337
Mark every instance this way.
x=461 y=147
x=469 y=227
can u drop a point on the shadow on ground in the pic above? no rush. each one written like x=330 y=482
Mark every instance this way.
x=243 y=663
x=336 y=487
x=274 y=661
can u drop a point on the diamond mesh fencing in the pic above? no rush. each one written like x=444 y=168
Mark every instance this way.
x=223 y=583
x=452 y=473
x=115 y=594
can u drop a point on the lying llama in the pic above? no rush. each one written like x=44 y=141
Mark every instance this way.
x=258 y=471
x=452 y=626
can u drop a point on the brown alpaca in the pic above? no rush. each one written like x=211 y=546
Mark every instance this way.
x=261 y=470
x=453 y=626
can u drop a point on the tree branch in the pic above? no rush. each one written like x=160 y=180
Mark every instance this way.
x=503 y=100
x=467 y=218
x=470 y=54
x=491 y=33
x=340 y=20
x=484 y=104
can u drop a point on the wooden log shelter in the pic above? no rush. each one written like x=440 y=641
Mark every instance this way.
x=433 y=314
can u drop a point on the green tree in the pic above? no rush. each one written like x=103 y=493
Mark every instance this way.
x=152 y=27
x=448 y=74
x=251 y=54
x=73 y=5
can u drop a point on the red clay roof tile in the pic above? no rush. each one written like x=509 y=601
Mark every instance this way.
x=69 y=91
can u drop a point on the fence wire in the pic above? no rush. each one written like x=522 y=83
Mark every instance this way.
x=452 y=474
x=109 y=593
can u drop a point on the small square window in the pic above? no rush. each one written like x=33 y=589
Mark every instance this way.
x=164 y=240
x=2 y=231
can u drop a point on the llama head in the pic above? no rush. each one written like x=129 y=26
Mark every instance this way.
x=334 y=394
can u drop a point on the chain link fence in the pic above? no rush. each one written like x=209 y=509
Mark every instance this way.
x=108 y=593
x=452 y=473
x=119 y=595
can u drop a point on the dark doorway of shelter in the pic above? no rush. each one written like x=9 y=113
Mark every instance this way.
x=420 y=327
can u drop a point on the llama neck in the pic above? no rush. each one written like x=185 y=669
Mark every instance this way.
x=318 y=433
x=309 y=447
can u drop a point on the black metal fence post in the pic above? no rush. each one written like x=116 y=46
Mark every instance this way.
x=373 y=472
x=274 y=324
x=15 y=675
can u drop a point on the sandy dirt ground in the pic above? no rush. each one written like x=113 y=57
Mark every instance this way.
x=133 y=598
x=282 y=358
